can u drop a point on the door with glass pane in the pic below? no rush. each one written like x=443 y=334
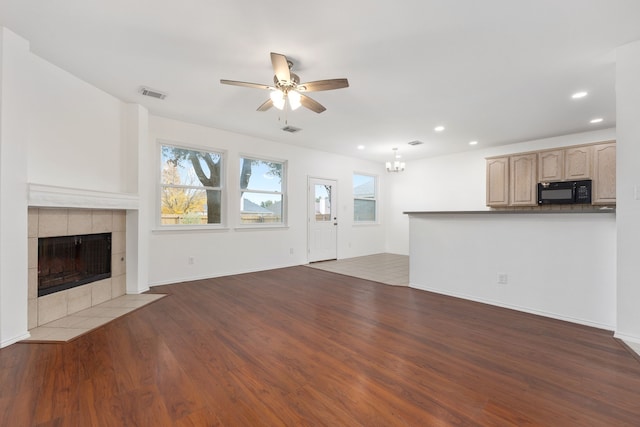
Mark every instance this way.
x=323 y=219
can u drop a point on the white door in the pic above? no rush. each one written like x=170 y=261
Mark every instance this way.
x=323 y=219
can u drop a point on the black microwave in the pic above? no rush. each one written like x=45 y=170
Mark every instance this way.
x=564 y=192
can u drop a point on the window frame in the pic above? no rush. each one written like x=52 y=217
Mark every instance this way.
x=374 y=199
x=283 y=192
x=160 y=185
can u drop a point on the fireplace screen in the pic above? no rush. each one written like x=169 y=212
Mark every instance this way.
x=69 y=261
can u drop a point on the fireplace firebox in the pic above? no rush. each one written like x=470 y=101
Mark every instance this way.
x=65 y=262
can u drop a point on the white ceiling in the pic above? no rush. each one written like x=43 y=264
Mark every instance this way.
x=495 y=71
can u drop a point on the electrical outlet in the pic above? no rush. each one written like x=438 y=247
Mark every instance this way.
x=290 y=251
x=191 y=260
x=503 y=278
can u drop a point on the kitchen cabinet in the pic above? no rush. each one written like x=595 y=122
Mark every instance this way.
x=551 y=165
x=522 y=180
x=604 y=174
x=578 y=162
x=512 y=180
x=498 y=181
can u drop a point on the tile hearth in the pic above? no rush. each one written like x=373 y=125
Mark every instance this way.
x=77 y=324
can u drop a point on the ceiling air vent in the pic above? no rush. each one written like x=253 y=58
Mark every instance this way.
x=416 y=142
x=152 y=93
x=291 y=129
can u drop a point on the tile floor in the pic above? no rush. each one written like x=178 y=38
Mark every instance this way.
x=390 y=269
x=72 y=326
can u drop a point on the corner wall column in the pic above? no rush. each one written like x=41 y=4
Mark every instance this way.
x=628 y=191
x=138 y=226
x=15 y=97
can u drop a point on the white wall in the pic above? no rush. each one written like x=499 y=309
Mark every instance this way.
x=77 y=133
x=455 y=182
x=557 y=265
x=628 y=190
x=138 y=166
x=235 y=250
x=14 y=105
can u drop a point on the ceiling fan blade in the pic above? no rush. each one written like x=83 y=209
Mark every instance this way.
x=245 y=84
x=266 y=105
x=323 y=85
x=280 y=67
x=311 y=104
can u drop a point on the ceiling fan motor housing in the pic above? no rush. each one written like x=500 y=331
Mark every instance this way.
x=291 y=84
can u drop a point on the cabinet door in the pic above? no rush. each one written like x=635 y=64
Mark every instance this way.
x=551 y=165
x=522 y=180
x=498 y=181
x=577 y=163
x=604 y=174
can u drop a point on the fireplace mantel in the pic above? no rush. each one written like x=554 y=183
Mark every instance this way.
x=41 y=195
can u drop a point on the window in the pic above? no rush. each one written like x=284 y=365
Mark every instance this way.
x=261 y=191
x=364 y=198
x=190 y=186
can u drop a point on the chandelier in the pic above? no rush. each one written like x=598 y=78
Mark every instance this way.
x=395 y=165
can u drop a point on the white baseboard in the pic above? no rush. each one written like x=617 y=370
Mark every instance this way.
x=14 y=340
x=631 y=341
x=519 y=308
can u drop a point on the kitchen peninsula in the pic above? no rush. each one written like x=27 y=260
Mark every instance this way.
x=555 y=263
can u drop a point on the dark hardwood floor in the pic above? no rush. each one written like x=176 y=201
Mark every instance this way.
x=300 y=346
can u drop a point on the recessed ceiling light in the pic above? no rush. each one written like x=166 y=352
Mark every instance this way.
x=360 y=147
x=598 y=120
x=473 y=142
x=579 y=95
x=438 y=128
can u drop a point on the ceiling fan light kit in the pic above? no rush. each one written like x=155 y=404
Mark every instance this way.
x=287 y=88
x=281 y=98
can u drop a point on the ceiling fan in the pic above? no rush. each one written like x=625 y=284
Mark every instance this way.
x=288 y=89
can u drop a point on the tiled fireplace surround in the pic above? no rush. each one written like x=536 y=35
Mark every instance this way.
x=50 y=222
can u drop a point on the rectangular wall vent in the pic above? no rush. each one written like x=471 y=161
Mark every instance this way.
x=152 y=93
x=416 y=142
x=291 y=129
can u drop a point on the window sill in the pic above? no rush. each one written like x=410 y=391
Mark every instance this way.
x=251 y=227
x=365 y=224
x=188 y=228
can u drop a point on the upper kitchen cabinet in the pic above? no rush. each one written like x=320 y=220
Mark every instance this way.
x=522 y=180
x=604 y=174
x=512 y=180
x=551 y=165
x=498 y=181
x=578 y=162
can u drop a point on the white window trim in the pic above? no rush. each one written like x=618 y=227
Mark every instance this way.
x=284 y=193
x=376 y=180
x=222 y=226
